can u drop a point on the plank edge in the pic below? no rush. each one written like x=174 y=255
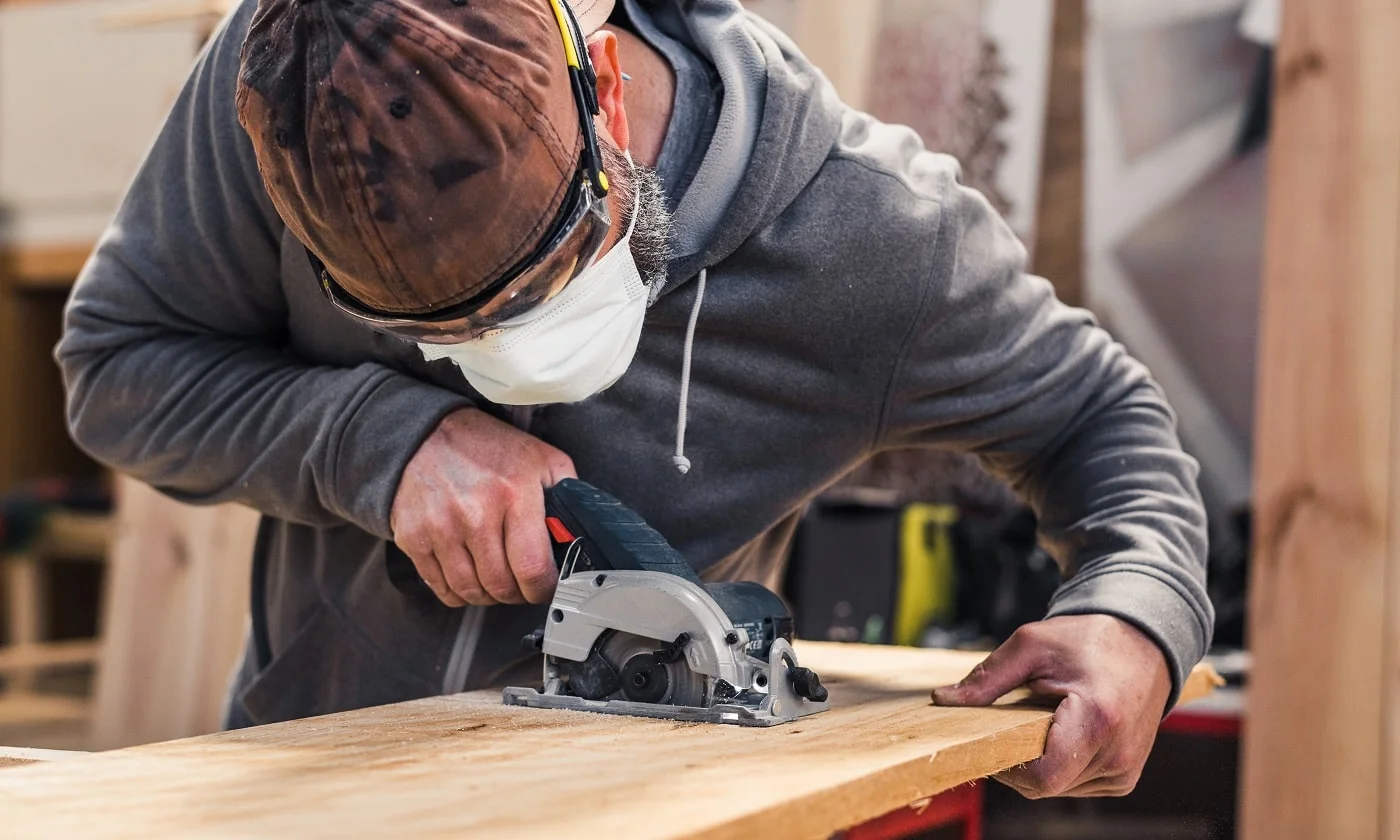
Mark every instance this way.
x=820 y=813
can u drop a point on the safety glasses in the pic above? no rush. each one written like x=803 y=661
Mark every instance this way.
x=572 y=243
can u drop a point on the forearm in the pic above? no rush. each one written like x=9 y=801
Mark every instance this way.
x=211 y=420
x=1119 y=509
x=1047 y=400
x=174 y=351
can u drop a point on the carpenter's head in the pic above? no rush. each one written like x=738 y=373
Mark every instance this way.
x=439 y=159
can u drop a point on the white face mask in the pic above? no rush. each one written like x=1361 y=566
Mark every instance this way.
x=570 y=347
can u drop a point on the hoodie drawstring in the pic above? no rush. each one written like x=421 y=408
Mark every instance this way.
x=683 y=463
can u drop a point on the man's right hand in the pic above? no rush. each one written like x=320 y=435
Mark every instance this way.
x=469 y=511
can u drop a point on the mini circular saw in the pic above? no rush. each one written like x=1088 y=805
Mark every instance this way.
x=633 y=631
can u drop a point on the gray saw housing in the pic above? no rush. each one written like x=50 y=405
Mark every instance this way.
x=632 y=630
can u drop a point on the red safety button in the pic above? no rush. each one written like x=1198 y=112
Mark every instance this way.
x=557 y=530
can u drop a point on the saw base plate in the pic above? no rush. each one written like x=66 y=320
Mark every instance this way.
x=729 y=713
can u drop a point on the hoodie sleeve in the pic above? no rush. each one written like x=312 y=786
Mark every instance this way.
x=174 y=351
x=996 y=366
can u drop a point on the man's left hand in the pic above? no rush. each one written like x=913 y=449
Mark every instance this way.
x=1114 y=685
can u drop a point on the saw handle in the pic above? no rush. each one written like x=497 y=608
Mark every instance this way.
x=614 y=537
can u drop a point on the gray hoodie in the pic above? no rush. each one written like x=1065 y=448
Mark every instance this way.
x=858 y=298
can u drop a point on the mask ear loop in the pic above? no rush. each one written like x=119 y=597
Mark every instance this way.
x=636 y=202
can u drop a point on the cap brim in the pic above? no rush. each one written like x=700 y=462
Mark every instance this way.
x=591 y=14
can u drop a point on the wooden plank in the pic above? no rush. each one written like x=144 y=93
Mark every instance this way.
x=466 y=765
x=1320 y=759
x=17 y=756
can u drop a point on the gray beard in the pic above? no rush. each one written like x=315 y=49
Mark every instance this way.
x=651 y=237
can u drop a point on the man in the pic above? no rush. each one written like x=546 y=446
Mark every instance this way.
x=385 y=275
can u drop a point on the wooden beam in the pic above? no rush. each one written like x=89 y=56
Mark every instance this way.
x=468 y=766
x=1320 y=757
x=1059 y=225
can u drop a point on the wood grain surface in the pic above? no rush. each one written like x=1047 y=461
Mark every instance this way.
x=1322 y=756
x=17 y=756
x=465 y=765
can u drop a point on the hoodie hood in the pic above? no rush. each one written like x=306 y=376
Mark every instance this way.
x=778 y=120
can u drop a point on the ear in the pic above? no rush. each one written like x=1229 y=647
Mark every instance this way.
x=602 y=51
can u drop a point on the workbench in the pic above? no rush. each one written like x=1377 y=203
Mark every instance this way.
x=465 y=765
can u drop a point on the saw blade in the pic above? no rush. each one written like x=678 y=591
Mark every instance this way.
x=647 y=679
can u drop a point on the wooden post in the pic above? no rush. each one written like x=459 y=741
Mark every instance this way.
x=1322 y=747
x=839 y=37
x=173 y=621
x=1059 y=240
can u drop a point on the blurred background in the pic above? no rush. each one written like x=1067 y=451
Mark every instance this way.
x=1124 y=140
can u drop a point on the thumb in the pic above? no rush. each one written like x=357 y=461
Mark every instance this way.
x=558 y=467
x=1008 y=667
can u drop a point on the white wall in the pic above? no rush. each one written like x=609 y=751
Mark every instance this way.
x=80 y=102
x=1121 y=195
x=1023 y=28
x=838 y=36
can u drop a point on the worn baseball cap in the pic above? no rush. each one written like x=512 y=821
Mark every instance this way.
x=421 y=150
